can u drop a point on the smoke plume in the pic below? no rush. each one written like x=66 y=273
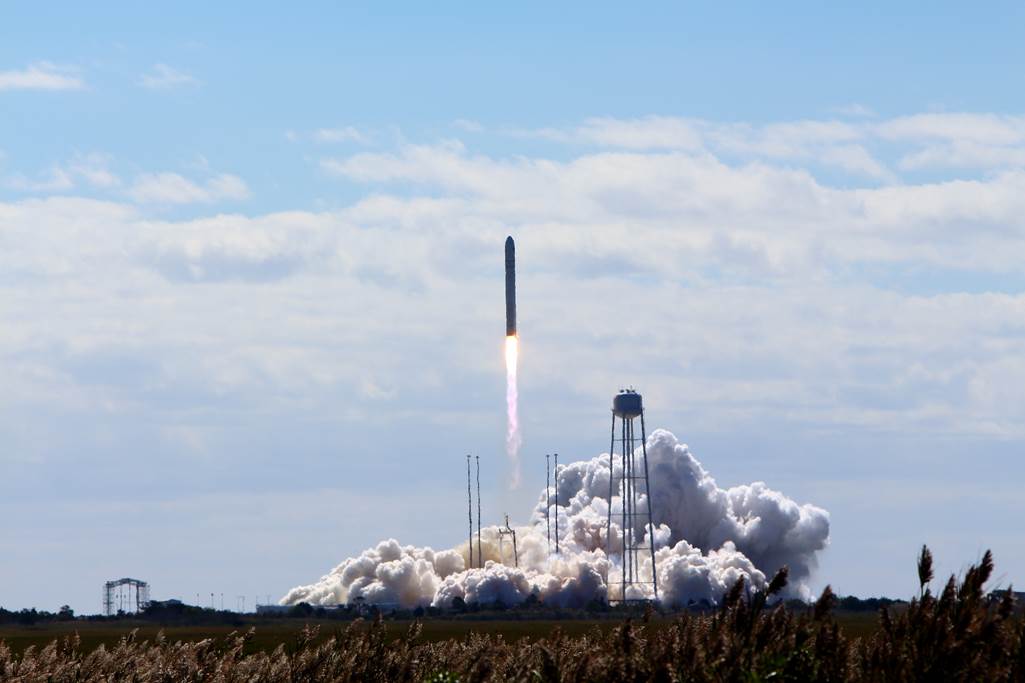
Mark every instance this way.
x=512 y=433
x=705 y=539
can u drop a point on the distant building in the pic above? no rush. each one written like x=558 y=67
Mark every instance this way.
x=173 y=602
x=998 y=595
x=273 y=609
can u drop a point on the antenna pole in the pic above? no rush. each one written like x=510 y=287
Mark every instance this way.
x=651 y=523
x=469 y=512
x=548 y=499
x=480 y=551
x=556 y=503
x=608 y=521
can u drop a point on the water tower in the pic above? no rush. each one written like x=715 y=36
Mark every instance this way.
x=634 y=516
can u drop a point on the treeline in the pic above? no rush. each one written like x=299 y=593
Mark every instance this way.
x=28 y=617
x=173 y=612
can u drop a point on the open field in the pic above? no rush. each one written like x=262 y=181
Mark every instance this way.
x=269 y=634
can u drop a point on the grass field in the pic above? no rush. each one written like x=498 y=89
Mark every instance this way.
x=959 y=634
x=270 y=634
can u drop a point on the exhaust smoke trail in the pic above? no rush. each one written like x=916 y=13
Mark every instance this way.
x=706 y=538
x=512 y=433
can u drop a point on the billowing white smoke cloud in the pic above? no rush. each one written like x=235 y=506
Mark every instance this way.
x=705 y=539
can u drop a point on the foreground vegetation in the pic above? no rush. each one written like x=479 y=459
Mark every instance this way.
x=956 y=635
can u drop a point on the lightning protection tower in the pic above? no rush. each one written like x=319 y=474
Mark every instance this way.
x=634 y=516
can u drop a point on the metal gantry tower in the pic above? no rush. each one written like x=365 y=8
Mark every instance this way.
x=636 y=527
x=125 y=595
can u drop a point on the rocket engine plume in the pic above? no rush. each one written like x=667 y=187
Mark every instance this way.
x=512 y=434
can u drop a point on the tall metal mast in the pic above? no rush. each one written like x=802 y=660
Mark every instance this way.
x=548 y=499
x=469 y=512
x=556 y=503
x=480 y=552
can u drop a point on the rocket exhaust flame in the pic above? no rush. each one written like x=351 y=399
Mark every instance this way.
x=512 y=434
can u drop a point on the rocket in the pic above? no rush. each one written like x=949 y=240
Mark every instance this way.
x=510 y=287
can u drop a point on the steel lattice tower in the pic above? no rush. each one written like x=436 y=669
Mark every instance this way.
x=633 y=482
x=118 y=596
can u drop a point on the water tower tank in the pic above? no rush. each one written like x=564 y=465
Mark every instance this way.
x=627 y=404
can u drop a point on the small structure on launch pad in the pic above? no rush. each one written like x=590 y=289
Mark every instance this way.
x=125 y=595
x=627 y=406
x=502 y=533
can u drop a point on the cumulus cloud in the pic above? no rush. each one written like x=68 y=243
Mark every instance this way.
x=957 y=140
x=164 y=77
x=768 y=293
x=172 y=188
x=42 y=76
x=227 y=248
x=706 y=539
x=968 y=127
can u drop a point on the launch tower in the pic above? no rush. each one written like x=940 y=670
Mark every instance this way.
x=634 y=515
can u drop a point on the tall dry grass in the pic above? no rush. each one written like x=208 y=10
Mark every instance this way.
x=955 y=636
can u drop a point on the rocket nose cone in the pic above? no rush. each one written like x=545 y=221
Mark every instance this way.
x=510 y=247
x=509 y=242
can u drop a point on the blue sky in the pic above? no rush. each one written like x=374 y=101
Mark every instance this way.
x=250 y=274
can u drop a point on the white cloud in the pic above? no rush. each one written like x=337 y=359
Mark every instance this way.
x=41 y=76
x=824 y=348
x=94 y=169
x=964 y=155
x=653 y=132
x=832 y=143
x=164 y=77
x=56 y=179
x=344 y=134
x=978 y=128
x=858 y=160
x=699 y=249
x=172 y=188
x=868 y=148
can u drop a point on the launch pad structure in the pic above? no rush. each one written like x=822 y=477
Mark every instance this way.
x=627 y=406
x=125 y=595
x=502 y=533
